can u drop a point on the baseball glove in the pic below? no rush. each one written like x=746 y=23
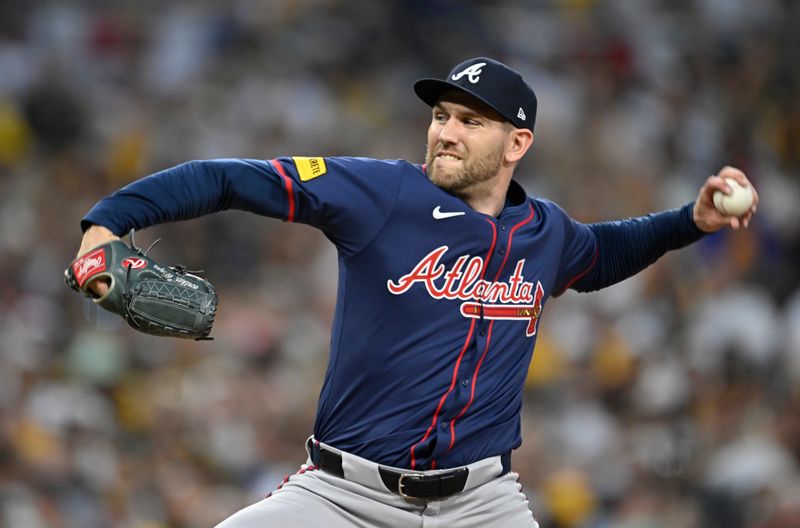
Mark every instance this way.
x=154 y=299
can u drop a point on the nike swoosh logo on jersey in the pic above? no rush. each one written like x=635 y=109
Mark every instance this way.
x=438 y=214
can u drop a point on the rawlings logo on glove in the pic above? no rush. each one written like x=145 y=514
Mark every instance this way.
x=155 y=299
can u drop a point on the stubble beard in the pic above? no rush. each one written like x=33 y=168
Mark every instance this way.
x=473 y=172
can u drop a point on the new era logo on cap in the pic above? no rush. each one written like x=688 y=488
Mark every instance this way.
x=489 y=81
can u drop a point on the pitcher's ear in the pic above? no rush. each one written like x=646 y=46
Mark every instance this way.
x=520 y=140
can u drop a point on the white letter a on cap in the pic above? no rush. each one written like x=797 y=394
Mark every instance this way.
x=472 y=72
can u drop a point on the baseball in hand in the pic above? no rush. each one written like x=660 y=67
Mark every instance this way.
x=738 y=202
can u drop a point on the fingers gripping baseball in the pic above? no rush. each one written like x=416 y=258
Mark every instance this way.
x=727 y=212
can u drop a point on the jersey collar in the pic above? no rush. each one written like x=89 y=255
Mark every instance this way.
x=516 y=201
x=516 y=198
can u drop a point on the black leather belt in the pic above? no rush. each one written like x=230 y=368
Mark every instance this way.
x=416 y=486
x=408 y=485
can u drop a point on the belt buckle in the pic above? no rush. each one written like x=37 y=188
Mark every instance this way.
x=400 y=484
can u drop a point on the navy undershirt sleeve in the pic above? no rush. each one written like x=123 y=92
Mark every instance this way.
x=190 y=190
x=626 y=247
x=348 y=199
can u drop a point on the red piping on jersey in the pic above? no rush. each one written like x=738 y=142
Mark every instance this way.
x=460 y=357
x=444 y=396
x=581 y=274
x=488 y=334
x=511 y=238
x=472 y=391
x=287 y=183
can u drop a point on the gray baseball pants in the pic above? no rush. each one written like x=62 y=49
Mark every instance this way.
x=315 y=498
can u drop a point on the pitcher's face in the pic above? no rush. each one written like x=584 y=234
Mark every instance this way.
x=466 y=142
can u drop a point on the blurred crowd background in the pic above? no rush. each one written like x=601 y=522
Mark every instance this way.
x=671 y=400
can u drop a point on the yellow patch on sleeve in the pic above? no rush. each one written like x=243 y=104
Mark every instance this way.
x=309 y=168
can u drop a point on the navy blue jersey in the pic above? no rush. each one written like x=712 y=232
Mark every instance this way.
x=438 y=305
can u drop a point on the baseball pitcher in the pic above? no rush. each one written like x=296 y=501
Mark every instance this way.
x=444 y=271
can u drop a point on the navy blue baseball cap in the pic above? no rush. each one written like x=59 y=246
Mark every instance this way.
x=490 y=81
